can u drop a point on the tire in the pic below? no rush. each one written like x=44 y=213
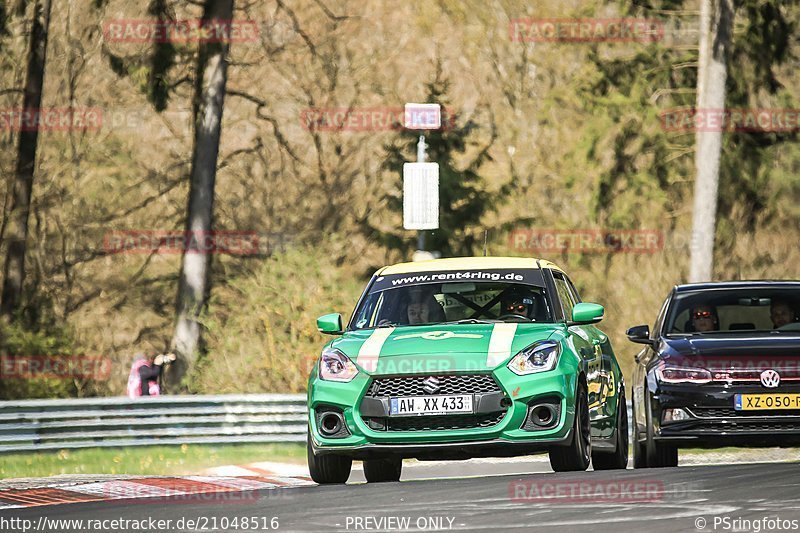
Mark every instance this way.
x=619 y=459
x=658 y=455
x=383 y=470
x=328 y=469
x=576 y=456
x=639 y=451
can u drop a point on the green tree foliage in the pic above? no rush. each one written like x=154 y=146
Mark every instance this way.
x=628 y=91
x=463 y=197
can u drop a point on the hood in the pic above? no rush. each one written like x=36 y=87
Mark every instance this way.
x=439 y=348
x=733 y=350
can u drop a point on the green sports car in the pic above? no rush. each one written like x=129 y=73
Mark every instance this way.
x=461 y=358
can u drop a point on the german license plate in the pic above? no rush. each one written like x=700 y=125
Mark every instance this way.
x=759 y=402
x=430 y=405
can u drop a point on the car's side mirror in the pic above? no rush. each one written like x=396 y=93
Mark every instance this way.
x=330 y=324
x=640 y=335
x=587 y=313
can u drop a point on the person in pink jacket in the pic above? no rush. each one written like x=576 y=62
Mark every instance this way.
x=143 y=378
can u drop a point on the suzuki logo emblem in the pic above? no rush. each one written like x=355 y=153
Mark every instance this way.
x=770 y=379
x=430 y=385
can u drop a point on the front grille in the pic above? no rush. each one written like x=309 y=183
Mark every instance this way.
x=745 y=426
x=727 y=412
x=445 y=422
x=452 y=384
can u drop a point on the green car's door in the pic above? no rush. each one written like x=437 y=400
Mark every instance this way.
x=588 y=345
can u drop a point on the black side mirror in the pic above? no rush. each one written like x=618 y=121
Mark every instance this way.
x=640 y=335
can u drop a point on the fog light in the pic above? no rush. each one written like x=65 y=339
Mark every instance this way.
x=675 y=415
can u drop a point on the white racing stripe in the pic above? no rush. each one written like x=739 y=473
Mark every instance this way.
x=371 y=349
x=500 y=344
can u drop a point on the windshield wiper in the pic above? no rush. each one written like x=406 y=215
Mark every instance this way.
x=472 y=321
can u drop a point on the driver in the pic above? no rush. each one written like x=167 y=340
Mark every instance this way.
x=704 y=318
x=781 y=313
x=517 y=303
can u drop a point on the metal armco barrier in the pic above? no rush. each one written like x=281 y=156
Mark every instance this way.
x=30 y=425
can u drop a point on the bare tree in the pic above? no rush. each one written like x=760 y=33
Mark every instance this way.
x=14 y=270
x=716 y=27
x=195 y=282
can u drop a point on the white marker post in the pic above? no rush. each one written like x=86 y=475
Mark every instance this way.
x=421 y=179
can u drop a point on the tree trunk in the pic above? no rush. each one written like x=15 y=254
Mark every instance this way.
x=716 y=28
x=14 y=270
x=195 y=282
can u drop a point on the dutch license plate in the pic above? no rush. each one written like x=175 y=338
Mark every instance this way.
x=758 y=402
x=430 y=405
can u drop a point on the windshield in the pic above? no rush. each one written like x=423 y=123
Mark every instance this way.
x=734 y=310
x=468 y=302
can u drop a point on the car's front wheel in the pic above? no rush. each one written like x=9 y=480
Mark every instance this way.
x=639 y=451
x=618 y=459
x=327 y=469
x=658 y=455
x=382 y=470
x=575 y=457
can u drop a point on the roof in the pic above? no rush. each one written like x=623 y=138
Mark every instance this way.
x=711 y=285
x=468 y=263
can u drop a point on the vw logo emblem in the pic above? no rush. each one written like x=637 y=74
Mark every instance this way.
x=770 y=379
x=430 y=385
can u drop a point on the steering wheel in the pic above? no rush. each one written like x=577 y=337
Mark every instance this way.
x=512 y=315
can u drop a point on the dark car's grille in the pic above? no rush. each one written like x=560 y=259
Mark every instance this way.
x=727 y=412
x=413 y=385
x=445 y=422
x=745 y=426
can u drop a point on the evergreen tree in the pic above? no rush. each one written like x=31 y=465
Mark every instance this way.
x=463 y=198
x=650 y=166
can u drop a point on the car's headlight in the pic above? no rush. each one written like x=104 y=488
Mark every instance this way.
x=538 y=357
x=336 y=366
x=682 y=374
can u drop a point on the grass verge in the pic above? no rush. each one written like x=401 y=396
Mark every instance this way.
x=150 y=460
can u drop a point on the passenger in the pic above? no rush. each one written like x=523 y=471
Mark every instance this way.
x=422 y=307
x=704 y=318
x=417 y=306
x=781 y=313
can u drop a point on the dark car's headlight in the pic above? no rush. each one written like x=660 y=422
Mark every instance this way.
x=538 y=357
x=336 y=366
x=667 y=373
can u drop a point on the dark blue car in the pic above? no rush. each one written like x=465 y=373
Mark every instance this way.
x=721 y=367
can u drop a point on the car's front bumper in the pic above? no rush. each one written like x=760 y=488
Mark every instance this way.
x=504 y=438
x=714 y=422
x=446 y=450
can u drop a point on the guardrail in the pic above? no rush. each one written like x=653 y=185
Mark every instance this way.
x=31 y=425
